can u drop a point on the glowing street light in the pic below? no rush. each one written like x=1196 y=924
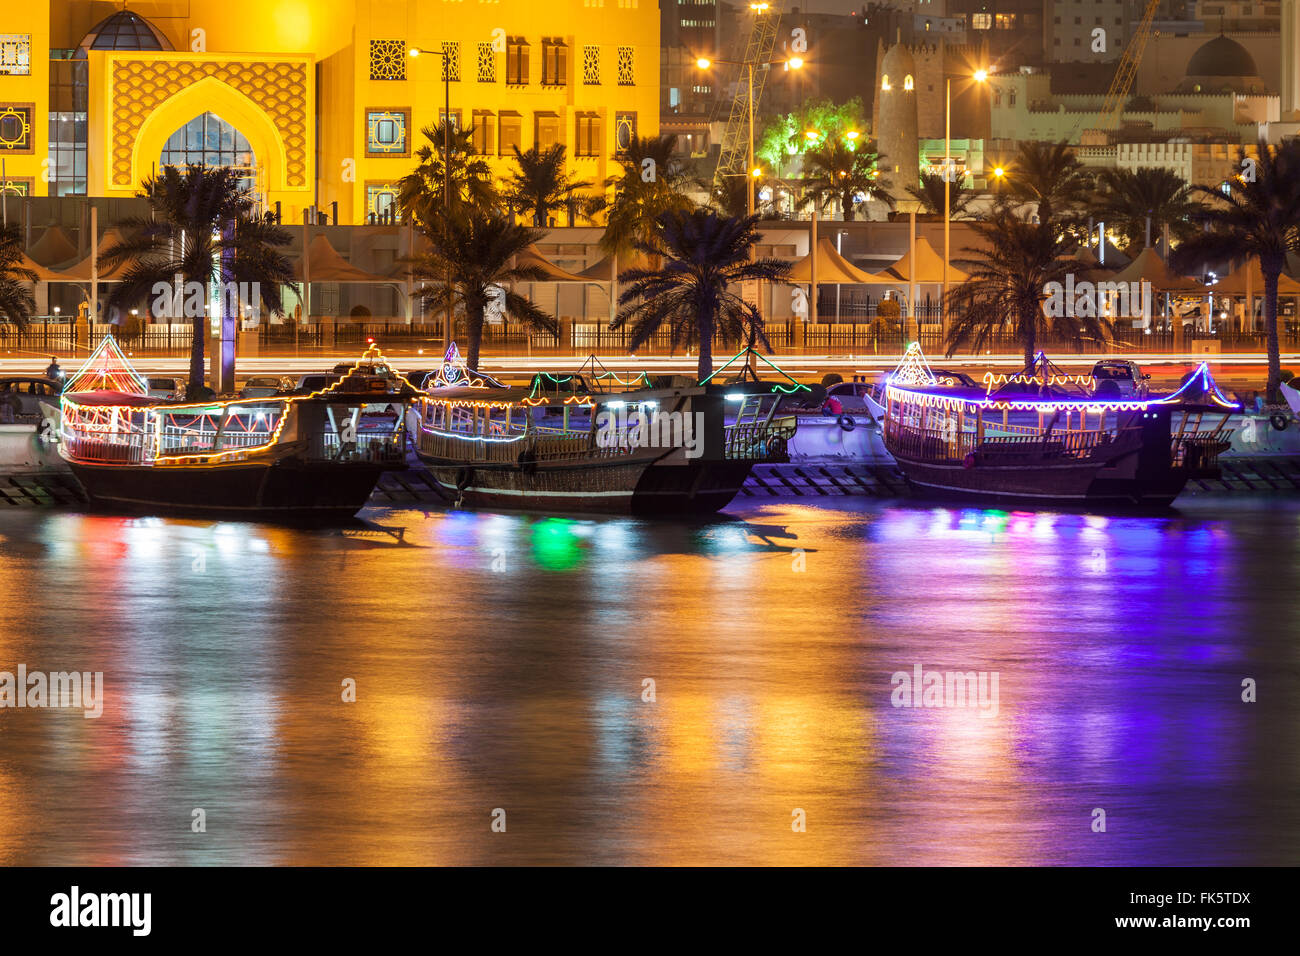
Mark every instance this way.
x=795 y=63
x=414 y=52
x=979 y=76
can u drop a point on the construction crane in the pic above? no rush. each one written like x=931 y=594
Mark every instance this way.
x=1117 y=95
x=733 y=158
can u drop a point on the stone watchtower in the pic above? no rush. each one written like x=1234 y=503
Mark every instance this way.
x=895 y=119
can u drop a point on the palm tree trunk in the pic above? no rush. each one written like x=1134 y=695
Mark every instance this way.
x=1271 y=265
x=475 y=306
x=705 y=367
x=1027 y=336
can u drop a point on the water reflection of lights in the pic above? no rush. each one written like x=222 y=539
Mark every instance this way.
x=555 y=545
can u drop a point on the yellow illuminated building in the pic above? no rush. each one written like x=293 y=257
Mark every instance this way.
x=316 y=101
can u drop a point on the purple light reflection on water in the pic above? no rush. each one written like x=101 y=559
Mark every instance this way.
x=500 y=660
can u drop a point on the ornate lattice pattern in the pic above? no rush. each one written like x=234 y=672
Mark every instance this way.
x=17 y=186
x=591 y=66
x=381 y=201
x=15 y=54
x=624 y=131
x=450 y=61
x=386 y=132
x=626 y=74
x=16 y=127
x=388 y=59
x=279 y=89
x=487 y=63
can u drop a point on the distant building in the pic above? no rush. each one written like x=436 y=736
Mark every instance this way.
x=895 y=119
x=1012 y=30
x=314 y=103
x=1087 y=31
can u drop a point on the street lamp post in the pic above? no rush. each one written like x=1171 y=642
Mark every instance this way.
x=751 y=171
x=414 y=52
x=979 y=76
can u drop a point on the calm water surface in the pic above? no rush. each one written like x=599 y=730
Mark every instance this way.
x=499 y=663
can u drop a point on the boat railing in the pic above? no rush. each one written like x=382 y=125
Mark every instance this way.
x=183 y=441
x=119 y=449
x=1199 y=453
x=572 y=446
x=938 y=443
x=389 y=448
x=470 y=447
x=951 y=444
x=757 y=441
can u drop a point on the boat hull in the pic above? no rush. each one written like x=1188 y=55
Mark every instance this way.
x=284 y=490
x=602 y=486
x=1064 y=484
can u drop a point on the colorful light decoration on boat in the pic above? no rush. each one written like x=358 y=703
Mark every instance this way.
x=371 y=356
x=104 y=418
x=995 y=380
x=913 y=369
x=455 y=372
x=789 y=388
x=107 y=370
x=1208 y=386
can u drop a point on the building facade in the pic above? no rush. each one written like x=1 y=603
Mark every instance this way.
x=316 y=101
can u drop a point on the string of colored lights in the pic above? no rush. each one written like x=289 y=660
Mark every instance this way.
x=995 y=380
x=218 y=408
x=107 y=369
x=913 y=369
x=788 y=389
x=455 y=372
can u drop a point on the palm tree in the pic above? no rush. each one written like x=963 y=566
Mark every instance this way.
x=727 y=195
x=539 y=185
x=930 y=194
x=1009 y=281
x=202 y=228
x=652 y=182
x=1256 y=214
x=705 y=258
x=1051 y=177
x=16 y=301
x=838 y=172
x=473 y=263
x=419 y=192
x=1140 y=199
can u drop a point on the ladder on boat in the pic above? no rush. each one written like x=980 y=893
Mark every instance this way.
x=753 y=411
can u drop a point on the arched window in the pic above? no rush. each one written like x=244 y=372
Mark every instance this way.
x=907 y=82
x=884 y=81
x=208 y=140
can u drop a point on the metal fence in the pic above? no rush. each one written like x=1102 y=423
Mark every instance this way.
x=861 y=337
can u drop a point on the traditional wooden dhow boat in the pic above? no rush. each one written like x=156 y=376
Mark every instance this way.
x=312 y=457
x=1040 y=436
x=648 y=451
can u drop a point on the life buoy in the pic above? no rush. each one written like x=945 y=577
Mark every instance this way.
x=969 y=460
x=1278 y=421
x=846 y=422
